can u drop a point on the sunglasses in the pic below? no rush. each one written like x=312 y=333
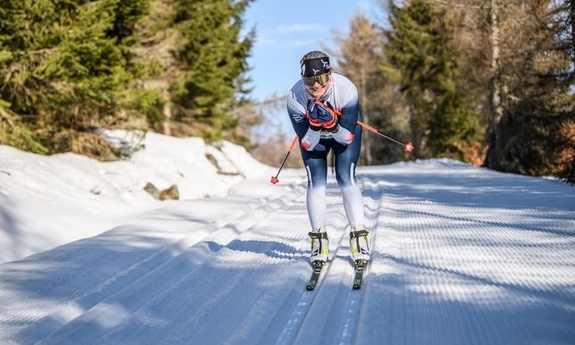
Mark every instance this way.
x=321 y=79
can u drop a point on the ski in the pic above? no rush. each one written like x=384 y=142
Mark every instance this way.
x=359 y=270
x=317 y=268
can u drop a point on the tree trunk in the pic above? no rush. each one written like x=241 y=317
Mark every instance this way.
x=495 y=87
x=168 y=114
x=365 y=116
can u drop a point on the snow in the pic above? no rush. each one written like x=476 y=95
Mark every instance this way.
x=461 y=254
x=48 y=201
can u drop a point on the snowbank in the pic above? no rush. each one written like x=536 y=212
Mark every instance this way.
x=97 y=196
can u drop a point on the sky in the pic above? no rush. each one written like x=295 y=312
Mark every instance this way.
x=287 y=30
x=461 y=255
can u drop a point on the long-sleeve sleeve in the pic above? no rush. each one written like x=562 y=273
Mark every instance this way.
x=296 y=112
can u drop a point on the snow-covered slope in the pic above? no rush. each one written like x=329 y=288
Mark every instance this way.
x=461 y=255
x=49 y=201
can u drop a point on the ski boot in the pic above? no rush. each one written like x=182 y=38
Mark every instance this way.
x=319 y=245
x=359 y=244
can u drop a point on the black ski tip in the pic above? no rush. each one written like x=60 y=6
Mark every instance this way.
x=359 y=268
x=317 y=268
x=357 y=284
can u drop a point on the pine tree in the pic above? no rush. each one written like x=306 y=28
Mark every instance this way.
x=12 y=131
x=443 y=120
x=68 y=68
x=214 y=61
x=360 y=59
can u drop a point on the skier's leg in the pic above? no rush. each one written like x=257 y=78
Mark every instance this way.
x=316 y=167
x=346 y=158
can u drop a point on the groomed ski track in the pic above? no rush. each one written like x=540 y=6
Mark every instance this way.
x=461 y=255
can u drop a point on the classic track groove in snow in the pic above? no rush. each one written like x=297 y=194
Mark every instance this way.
x=460 y=255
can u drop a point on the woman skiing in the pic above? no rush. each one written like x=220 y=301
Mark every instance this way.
x=324 y=109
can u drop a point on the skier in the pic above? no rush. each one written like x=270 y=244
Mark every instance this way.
x=324 y=109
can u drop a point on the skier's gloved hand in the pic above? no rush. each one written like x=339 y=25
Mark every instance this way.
x=342 y=135
x=320 y=116
x=311 y=138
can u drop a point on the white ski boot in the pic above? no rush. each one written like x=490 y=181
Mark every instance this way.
x=319 y=245
x=359 y=243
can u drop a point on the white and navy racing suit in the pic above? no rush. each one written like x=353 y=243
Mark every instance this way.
x=342 y=95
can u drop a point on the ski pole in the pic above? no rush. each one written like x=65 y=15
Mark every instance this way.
x=407 y=147
x=275 y=178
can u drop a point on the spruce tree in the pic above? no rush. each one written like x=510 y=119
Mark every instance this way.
x=214 y=62
x=360 y=59
x=424 y=63
x=67 y=69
